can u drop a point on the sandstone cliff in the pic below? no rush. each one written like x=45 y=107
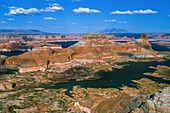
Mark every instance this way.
x=92 y=48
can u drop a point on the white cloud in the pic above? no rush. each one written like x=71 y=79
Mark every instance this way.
x=52 y=8
x=12 y=7
x=77 y=0
x=11 y=19
x=147 y=11
x=32 y=11
x=121 y=12
x=110 y=20
x=88 y=27
x=21 y=11
x=121 y=22
x=85 y=10
x=3 y=22
x=49 y=18
x=50 y=0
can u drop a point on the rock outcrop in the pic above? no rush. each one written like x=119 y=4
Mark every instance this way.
x=21 y=46
x=144 y=42
x=158 y=102
x=92 y=48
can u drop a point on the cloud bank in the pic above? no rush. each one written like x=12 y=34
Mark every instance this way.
x=32 y=11
x=120 y=22
x=147 y=11
x=110 y=20
x=49 y=18
x=85 y=10
x=52 y=8
x=77 y=0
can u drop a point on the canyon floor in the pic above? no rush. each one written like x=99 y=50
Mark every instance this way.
x=36 y=92
x=112 y=82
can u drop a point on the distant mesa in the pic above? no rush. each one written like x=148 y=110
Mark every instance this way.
x=113 y=30
x=94 y=36
x=38 y=32
x=21 y=31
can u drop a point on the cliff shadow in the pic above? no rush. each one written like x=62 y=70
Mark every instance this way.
x=7 y=71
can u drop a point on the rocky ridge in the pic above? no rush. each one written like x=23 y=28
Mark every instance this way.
x=123 y=100
x=158 y=102
x=92 y=48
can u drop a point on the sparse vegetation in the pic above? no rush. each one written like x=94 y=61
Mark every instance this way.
x=163 y=70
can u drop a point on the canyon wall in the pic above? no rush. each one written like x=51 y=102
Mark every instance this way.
x=91 y=47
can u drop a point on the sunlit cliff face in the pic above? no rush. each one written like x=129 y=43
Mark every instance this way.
x=93 y=47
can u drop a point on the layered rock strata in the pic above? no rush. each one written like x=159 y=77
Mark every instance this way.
x=92 y=48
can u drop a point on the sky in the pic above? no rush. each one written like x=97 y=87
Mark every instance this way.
x=86 y=16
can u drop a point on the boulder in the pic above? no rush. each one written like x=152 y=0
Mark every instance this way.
x=158 y=102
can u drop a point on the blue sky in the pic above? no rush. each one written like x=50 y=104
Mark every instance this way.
x=82 y=16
